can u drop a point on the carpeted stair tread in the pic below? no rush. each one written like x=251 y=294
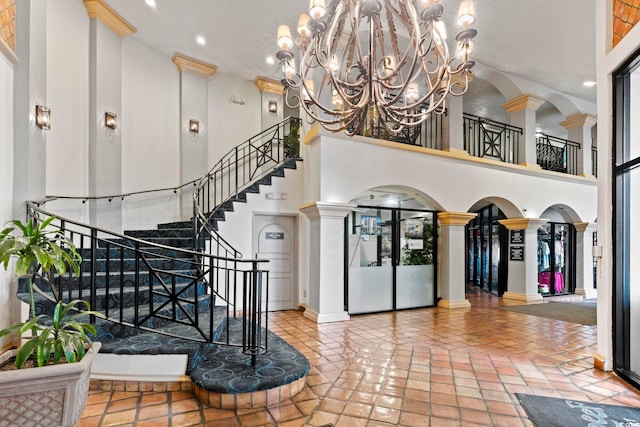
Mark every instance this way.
x=225 y=369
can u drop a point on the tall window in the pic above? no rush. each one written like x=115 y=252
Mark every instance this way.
x=626 y=227
x=7 y=23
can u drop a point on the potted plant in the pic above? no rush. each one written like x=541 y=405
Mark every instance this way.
x=292 y=139
x=59 y=346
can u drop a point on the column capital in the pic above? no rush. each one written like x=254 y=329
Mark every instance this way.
x=315 y=210
x=101 y=11
x=522 y=102
x=581 y=227
x=579 y=120
x=192 y=65
x=455 y=218
x=523 y=223
x=266 y=84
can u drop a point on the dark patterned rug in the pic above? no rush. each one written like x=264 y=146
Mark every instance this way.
x=583 y=312
x=552 y=412
x=216 y=367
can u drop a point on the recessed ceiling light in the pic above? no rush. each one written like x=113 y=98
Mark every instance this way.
x=270 y=60
x=589 y=83
x=201 y=41
x=151 y=3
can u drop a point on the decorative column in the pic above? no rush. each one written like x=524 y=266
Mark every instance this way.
x=326 y=261
x=194 y=112
x=579 y=127
x=106 y=30
x=523 y=114
x=29 y=90
x=452 y=259
x=584 y=259
x=272 y=108
x=453 y=125
x=522 y=283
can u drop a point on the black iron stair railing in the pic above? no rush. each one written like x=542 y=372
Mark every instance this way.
x=153 y=287
x=244 y=166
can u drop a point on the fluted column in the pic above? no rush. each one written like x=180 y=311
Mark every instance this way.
x=452 y=258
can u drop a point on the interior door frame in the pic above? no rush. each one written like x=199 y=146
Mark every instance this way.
x=295 y=246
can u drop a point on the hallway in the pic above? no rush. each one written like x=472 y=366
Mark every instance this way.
x=426 y=367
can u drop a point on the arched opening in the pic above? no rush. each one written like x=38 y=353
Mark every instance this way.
x=556 y=252
x=391 y=251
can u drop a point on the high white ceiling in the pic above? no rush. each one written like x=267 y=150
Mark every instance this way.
x=551 y=42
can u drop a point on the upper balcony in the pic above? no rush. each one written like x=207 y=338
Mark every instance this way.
x=526 y=130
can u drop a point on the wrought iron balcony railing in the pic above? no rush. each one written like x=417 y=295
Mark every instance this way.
x=557 y=154
x=491 y=139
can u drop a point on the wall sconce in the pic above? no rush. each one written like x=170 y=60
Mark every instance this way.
x=43 y=117
x=273 y=107
x=110 y=120
x=194 y=126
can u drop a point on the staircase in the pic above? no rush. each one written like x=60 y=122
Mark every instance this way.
x=161 y=296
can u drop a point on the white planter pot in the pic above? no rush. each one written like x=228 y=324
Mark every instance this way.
x=52 y=395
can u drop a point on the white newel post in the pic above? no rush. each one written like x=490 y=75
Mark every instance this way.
x=326 y=261
x=522 y=284
x=452 y=259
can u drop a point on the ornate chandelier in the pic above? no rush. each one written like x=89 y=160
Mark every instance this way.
x=372 y=64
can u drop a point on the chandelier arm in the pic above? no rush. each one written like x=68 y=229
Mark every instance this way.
x=391 y=12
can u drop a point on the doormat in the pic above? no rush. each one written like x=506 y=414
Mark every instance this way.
x=553 y=412
x=583 y=312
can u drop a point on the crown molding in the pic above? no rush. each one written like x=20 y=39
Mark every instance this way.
x=192 y=65
x=266 y=84
x=101 y=11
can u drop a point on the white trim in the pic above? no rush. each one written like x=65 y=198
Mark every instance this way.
x=326 y=317
x=8 y=53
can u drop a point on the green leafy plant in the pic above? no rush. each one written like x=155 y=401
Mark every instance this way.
x=36 y=246
x=58 y=336
x=420 y=256
x=292 y=139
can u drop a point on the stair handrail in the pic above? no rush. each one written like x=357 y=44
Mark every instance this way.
x=257 y=156
x=86 y=238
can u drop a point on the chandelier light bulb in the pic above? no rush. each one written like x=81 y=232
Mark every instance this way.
x=317 y=9
x=303 y=25
x=466 y=13
x=284 y=37
x=412 y=94
x=337 y=102
x=308 y=90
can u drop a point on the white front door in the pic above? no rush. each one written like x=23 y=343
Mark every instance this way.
x=273 y=239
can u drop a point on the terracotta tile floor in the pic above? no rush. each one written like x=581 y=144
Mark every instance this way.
x=426 y=367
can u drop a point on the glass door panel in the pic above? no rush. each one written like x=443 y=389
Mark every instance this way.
x=369 y=262
x=415 y=270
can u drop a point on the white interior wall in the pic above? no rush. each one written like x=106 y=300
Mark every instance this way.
x=230 y=124
x=68 y=97
x=7 y=291
x=193 y=146
x=608 y=59
x=454 y=184
x=150 y=126
x=237 y=226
